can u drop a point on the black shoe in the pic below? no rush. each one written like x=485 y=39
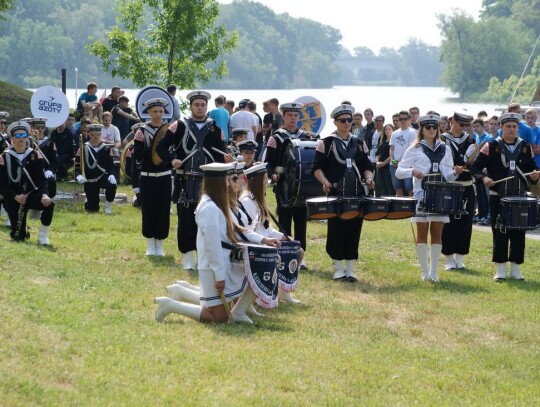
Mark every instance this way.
x=352 y=279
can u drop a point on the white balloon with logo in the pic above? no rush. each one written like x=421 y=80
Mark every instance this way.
x=51 y=103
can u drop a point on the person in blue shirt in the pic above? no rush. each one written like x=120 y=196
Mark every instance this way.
x=88 y=102
x=221 y=116
x=524 y=131
x=482 y=198
x=531 y=116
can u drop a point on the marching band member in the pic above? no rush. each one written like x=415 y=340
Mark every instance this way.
x=154 y=180
x=94 y=169
x=48 y=151
x=239 y=215
x=427 y=155
x=190 y=142
x=505 y=156
x=456 y=235
x=215 y=238
x=131 y=168
x=247 y=150
x=23 y=184
x=274 y=156
x=238 y=136
x=340 y=161
x=254 y=203
x=4 y=145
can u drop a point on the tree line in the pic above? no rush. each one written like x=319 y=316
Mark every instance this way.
x=246 y=45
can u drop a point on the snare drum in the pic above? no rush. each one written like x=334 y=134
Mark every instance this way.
x=374 y=208
x=322 y=207
x=400 y=207
x=443 y=197
x=192 y=187
x=349 y=207
x=519 y=213
x=297 y=183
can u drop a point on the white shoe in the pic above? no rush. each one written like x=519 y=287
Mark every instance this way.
x=435 y=253
x=459 y=261
x=450 y=262
x=168 y=306
x=515 y=272
x=188 y=285
x=34 y=214
x=500 y=272
x=159 y=247
x=303 y=265
x=8 y=223
x=287 y=297
x=339 y=271
x=43 y=235
x=349 y=271
x=239 y=310
x=150 y=246
x=188 y=260
x=108 y=208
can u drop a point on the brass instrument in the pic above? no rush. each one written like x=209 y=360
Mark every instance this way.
x=160 y=133
x=123 y=156
x=20 y=214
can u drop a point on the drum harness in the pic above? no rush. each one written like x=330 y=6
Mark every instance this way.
x=87 y=154
x=348 y=161
x=17 y=178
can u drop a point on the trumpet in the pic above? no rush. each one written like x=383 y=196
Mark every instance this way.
x=20 y=214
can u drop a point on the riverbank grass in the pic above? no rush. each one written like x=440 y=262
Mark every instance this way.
x=78 y=327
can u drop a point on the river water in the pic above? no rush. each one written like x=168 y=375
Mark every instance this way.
x=385 y=100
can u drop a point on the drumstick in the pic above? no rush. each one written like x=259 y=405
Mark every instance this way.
x=227 y=308
x=448 y=165
x=217 y=150
x=508 y=178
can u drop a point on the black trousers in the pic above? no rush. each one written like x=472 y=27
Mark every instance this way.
x=65 y=162
x=502 y=239
x=91 y=189
x=343 y=238
x=299 y=214
x=456 y=235
x=51 y=185
x=155 y=206
x=187 y=227
x=482 y=199
x=33 y=201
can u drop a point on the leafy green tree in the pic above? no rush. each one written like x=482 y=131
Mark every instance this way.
x=524 y=11
x=508 y=90
x=175 y=48
x=419 y=64
x=473 y=52
x=363 y=52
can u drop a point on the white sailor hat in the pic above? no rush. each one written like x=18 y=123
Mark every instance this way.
x=94 y=127
x=198 y=94
x=428 y=119
x=239 y=131
x=291 y=107
x=255 y=169
x=27 y=119
x=150 y=103
x=247 y=145
x=217 y=169
x=510 y=117
x=342 y=109
x=4 y=115
x=37 y=120
x=463 y=117
x=136 y=126
x=239 y=167
x=18 y=125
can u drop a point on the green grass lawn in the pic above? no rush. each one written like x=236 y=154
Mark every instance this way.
x=77 y=327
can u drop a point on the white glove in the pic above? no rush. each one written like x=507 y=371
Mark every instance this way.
x=49 y=174
x=136 y=190
x=112 y=180
x=81 y=179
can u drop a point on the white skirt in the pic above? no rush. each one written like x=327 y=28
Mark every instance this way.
x=235 y=283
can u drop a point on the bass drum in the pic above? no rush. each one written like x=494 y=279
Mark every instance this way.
x=296 y=183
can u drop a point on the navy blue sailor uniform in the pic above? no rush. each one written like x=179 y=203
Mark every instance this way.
x=48 y=151
x=456 y=235
x=343 y=162
x=98 y=166
x=502 y=160
x=154 y=183
x=24 y=174
x=286 y=214
x=197 y=143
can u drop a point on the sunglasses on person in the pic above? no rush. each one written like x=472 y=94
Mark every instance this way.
x=3 y=122
x=349 y=120
x=20 y=135
x=430 y=126
x=39 y=126
x=461 y=124
x=403 y=119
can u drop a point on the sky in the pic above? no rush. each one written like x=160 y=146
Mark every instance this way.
x=379 y=23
